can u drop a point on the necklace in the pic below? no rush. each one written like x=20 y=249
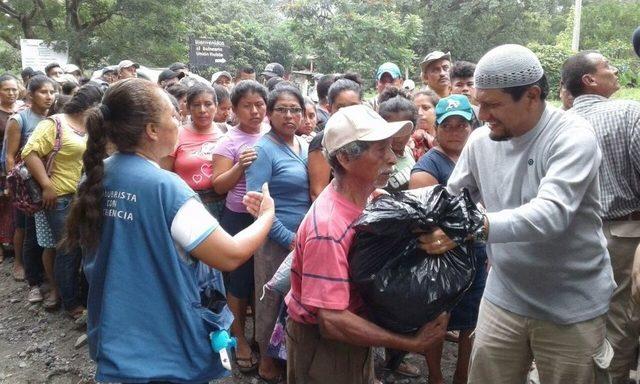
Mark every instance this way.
x=75 y=130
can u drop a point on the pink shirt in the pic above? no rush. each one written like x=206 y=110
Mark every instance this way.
x=320 y=267
x=193 y=156
x=231 y=146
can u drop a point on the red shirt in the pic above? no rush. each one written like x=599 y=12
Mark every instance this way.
x=193 y=156
x=320 y=267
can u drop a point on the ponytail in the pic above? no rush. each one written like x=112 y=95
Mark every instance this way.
x=127 y=107
x=84 y=223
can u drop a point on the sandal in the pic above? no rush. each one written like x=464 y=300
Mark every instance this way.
x=273 y=380
x=247 y=364
x=452 y=336
x=77 y=313
x=18 y=273
x=407 y=370
x=51 y=303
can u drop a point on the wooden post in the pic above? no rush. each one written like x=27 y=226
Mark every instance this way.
x=575 y=42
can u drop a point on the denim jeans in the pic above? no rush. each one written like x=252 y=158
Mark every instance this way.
x=67 y=265
x=31 y=251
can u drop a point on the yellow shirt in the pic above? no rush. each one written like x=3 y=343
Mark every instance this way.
x=67 y=165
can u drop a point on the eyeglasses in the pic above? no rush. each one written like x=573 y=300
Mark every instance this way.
x=284 y=110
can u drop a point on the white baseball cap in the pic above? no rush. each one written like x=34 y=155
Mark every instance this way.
x=360 y=123
x=126 y=64
x=70 y=68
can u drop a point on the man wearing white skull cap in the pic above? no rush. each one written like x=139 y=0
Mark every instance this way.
x=535 y=169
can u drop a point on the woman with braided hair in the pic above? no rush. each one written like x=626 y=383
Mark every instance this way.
x=145 y=233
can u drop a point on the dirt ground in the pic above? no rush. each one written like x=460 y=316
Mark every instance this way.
x=39 y=347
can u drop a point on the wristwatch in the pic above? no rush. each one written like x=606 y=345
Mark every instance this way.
x=482 y=233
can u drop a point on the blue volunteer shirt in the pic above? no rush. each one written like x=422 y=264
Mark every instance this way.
x=146 y=321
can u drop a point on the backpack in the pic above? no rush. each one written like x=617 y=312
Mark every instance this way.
x=25 y=191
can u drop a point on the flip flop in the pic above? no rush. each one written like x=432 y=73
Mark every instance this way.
x=274 y=380
x=452 y=336
x=407 y=370
x=18 y=274
x=247 y=364
x=51 y=303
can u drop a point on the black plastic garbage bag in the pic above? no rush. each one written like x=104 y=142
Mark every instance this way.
x=402 y=286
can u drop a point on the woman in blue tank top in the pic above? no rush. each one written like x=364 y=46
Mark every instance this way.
x=19 y=128
x=454 y=121
x=146 y=235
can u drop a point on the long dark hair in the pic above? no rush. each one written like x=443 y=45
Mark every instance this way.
x=7 y=77
x=38 y=82
x=284 y=90
x=198 y=90
x=127 y=107
x=246 y=87
x=87 y=96
x=395 y=100
x=347 y=82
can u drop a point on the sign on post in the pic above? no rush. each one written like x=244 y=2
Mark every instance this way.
x=208 y=52
x=37 y=53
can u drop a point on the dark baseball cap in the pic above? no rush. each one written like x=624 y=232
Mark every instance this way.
x=110 y=69
x=273 y=70
x=168 y=74
x=27 y=73
x=178 y=66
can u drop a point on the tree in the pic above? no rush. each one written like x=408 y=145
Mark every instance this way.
x=607 y=26
x=352 y=35
x=253 y=29
x=98 y=31
x=73 y=21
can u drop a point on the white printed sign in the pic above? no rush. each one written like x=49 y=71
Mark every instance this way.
x=37 y=54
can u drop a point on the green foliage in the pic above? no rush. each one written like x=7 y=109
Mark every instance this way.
x=99 y=32
x=551 y=57
x=469 y=28
x=337 y=35
x=627 y=94
x=351 y=35
x=606 y=27
x=253 y=29
x=146 y=31
x=9 y=59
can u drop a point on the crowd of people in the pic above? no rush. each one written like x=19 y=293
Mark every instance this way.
x=167 y=206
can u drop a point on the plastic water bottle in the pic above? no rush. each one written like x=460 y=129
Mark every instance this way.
x=33 y=188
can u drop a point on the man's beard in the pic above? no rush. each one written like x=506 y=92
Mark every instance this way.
x=503 y=137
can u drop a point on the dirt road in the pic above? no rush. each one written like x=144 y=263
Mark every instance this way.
x=39 y=347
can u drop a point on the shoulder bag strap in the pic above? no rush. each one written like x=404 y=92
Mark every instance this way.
x=56 y=145
x=273 y=137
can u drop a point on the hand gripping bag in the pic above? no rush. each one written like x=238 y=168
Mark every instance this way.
x=402 y=286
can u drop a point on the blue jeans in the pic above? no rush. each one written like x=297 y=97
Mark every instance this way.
x=31 y=251
x=67 y=265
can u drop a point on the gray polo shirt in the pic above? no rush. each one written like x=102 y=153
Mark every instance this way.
x=547 y=250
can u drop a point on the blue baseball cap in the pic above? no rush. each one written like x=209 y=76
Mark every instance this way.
x=389 y=68
x=454 y=105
